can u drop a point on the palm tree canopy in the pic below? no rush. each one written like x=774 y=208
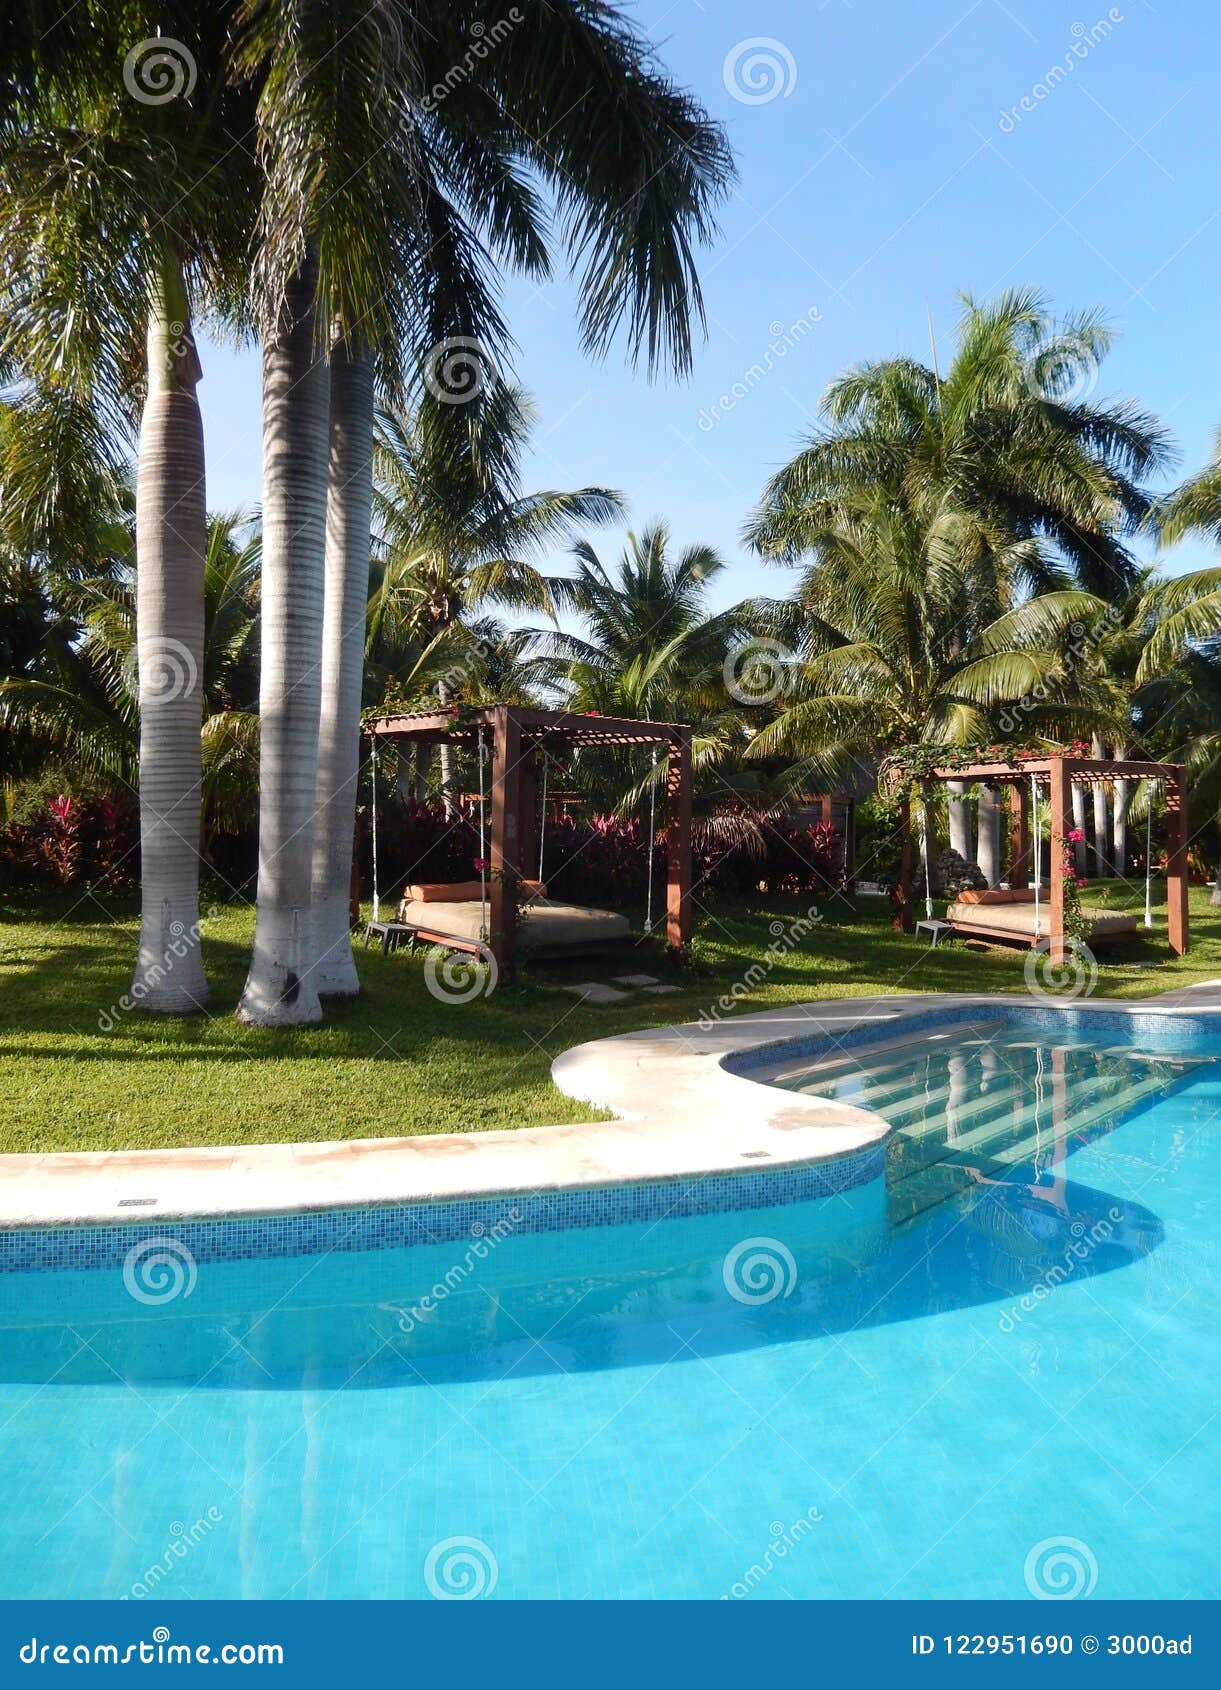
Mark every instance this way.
x=1010 y=439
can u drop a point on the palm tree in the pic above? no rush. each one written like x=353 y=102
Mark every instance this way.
x=119 y=215
x=456 y=533
x=1008 y=436
x=80 y=697
x=648 y=647
x=891 y=648
x=446 y=106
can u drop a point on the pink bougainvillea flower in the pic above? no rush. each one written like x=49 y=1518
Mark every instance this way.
x=482 y=864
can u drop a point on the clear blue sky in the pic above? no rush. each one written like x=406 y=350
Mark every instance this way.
x=882 y=178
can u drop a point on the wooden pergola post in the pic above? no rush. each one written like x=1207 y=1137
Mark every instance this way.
x=1176 y=863
x=902 y=917
x=506 y=810
x=1060 y=779
x=1019 y=838
x=678 y=833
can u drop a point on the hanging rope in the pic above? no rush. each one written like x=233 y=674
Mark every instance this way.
x=542 y=823
x=1038 y=853
x=483 y=855
x=377 y=905
x=1149 y=855
x=648 y=902
x=928 y=884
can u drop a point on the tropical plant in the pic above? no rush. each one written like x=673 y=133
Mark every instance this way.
x=1008 y=440
x=123 y=209
x=471 y=105
x=455 y=533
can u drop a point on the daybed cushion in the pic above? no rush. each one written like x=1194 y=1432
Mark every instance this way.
x=1018 y=918
x=458 y=892
x=548 y=924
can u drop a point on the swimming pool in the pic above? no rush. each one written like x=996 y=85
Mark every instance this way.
x=1003 y=1390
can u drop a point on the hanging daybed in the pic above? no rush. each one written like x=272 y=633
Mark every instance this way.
x=515 y=747
x=1033 y=914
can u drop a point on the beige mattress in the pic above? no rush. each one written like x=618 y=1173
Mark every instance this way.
x=544 y=924
x=1018 y=919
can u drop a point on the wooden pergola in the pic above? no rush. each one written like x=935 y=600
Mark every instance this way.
x=518 y=735
x=1056 y=776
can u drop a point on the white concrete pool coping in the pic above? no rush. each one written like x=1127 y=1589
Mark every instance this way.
x=679 y=1115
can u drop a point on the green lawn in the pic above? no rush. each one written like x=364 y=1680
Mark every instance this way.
x=397 y=1061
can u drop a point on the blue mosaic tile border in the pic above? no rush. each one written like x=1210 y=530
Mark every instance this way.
x=1144 y=1029
x=398 y=1226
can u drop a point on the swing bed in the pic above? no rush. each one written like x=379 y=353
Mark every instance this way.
x=515 y=748
x=1025 y=912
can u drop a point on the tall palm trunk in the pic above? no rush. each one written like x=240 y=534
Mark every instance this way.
x=1101 y=819
x=349 y=510
x=171 y=543
x=959 y=807
x=280 y=987
x=989 y=857
x=1119 y=821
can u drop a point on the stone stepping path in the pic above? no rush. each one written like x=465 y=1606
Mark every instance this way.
x=598 y=991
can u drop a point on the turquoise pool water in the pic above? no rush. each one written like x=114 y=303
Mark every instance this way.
x=990 y=1374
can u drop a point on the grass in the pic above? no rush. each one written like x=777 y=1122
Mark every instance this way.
x=396 y=1061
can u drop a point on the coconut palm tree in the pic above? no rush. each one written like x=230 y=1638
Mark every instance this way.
x=890 y=647
x=1009 y=437
x=447 y=106
x=455 y=531
x=125 y=206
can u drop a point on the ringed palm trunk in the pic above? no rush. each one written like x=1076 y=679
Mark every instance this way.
x=1119 y=821
x=959 y=807
x=1079 y=853
x=280 y=987
x=449 y=762
x=989 y=858
x=349 y=510
x=1101 y=819
x=171 y=543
